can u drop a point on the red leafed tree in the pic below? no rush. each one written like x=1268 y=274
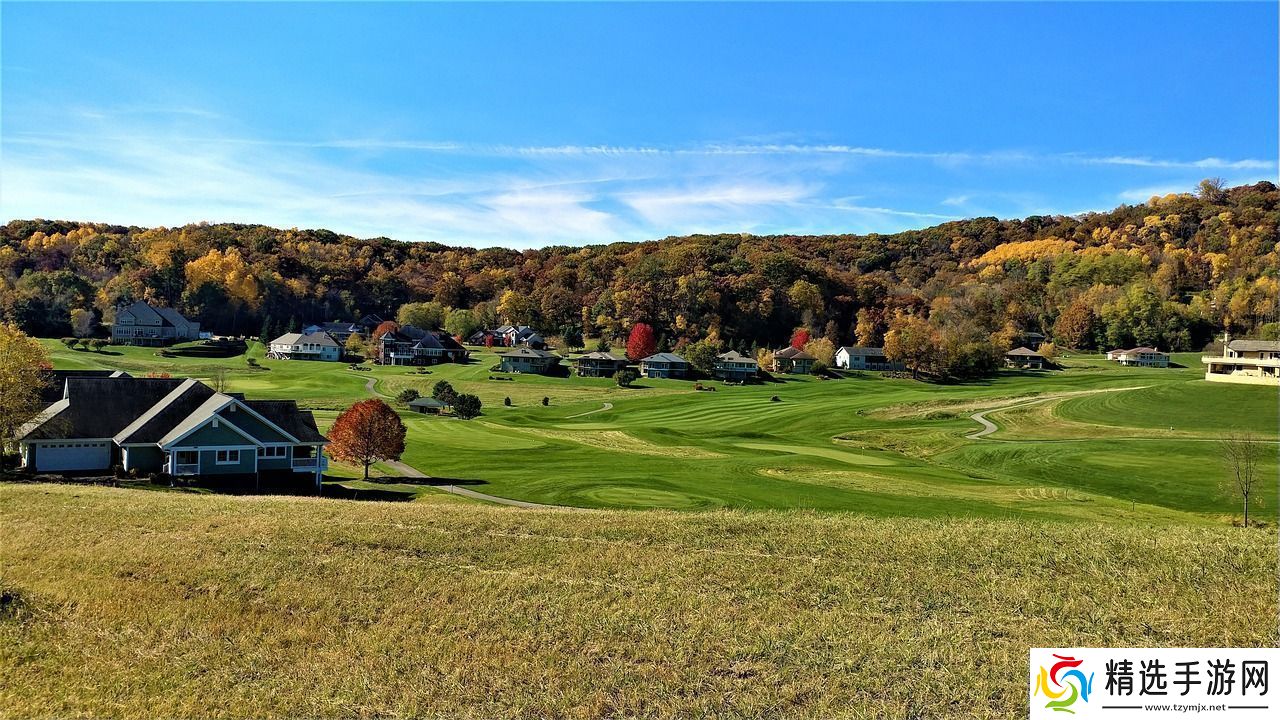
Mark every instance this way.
x=641 y=344
x=367 y=432
x=799 y=338
x=488 y=340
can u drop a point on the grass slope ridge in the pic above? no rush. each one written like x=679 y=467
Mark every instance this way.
x=133 y=604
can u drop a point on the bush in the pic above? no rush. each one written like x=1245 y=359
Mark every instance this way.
x=70 y=342
x=251 y=362
x=466 y=406
x=507 y=401
x=546 y=401
x=408 y=395
x=97 y=344
x=625 y=377
x=819 y=368
x=775 y=398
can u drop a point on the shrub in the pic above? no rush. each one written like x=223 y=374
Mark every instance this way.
x=546 y=401
x=70 y=342
x=408 y=395
x=625 y=377
x=251 y=362
x=775 y=398
x=819 y=368
x=97 y=344
x=507 y=401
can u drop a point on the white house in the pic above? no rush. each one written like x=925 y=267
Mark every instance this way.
x=865 y=358
x=314 y=346
x=1140 y=357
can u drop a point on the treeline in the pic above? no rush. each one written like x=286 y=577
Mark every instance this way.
x=1170 y=273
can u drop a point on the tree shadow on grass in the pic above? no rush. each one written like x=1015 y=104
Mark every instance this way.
x=427 y=481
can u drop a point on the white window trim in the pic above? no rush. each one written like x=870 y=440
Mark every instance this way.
x=228 y=461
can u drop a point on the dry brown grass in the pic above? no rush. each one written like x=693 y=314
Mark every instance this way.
x=128 y=603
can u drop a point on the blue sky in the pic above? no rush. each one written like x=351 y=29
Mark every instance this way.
x=527 y=125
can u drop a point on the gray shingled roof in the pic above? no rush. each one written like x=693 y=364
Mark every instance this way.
x=102 y=407
x=734 y=356
x=285 y=414
x=666 y=358
x=529 y=352
x=792 y=353
x=861 y=350
x=151 y=425
x=1255 y=345
x=1024 y=352
x=602 y=355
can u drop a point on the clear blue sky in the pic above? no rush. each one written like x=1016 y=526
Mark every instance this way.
x=525 y=125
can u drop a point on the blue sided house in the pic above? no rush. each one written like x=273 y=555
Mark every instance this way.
x=169 y=425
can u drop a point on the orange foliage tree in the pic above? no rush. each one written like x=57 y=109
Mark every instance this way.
x=367 y=432
x=799 y=338
x=641 y=344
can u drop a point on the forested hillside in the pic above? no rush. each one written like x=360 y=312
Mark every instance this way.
x=1170 y=272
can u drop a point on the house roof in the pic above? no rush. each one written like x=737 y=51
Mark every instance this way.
x=153 y=410
x=144 y=313
x=1023 y=352
x=528 y=352
x=666 y=358
x=285 y=414
x=793 y=353
x=1254 y=345
x=173 y=317
x=56 y=386
x=427 y=402
x=100 y=407
x=734 y=356
x=338 y=327
x=861 y=350
x=602 y=355
x=315 y=338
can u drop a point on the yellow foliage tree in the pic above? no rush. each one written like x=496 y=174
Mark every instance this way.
x=24 y=367
x=228 y=270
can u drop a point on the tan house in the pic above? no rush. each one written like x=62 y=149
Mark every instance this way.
x=1023 y=358
x=1250 y=362
x=1140 y=357
x=793 y=360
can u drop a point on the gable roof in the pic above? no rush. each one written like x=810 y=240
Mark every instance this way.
x=100 y=407
x=55 y=386
x=734 y=356
x=143 y=313
x=285 y=415
x=1254 y=345
x=528 y=352
x=861 y=350
x=602 y=355
x=173 y=317
x=793 y=353
x=666 y=358
x=427 y=402
x=315 y=338
x=151 y=425
x=1024 y=352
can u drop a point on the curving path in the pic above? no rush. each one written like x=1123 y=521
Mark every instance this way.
x=411 y=472
x=989 y=427
x=607 y=406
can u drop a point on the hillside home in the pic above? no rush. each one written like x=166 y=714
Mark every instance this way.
x=664 y=365
x=181 y=427
x=793 y=361
x=340 y=331
x=142 y=324
x=414 y=346
x=1140 y=357
x=369 y=323
x=311 y=346
x=734 y=366
x=528 y=360
x=599 y=364
x=865 y=358
x=1023 y=358
x=1031 y=339
x=1250 y=362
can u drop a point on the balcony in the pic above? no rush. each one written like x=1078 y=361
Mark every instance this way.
x=309 y=464
x=187 y=469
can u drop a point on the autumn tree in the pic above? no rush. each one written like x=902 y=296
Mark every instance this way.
x=461 y=323
x=81 y=322
x=367 y=432
x=1077 y=327
x=24 y=368
x=823 y=350
x=641 y=343
x=799 y=338
x=517 y=308
x=869 y=330
x=425 y=315
x=912 y=341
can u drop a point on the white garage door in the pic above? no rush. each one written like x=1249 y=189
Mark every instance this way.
x=60 y=456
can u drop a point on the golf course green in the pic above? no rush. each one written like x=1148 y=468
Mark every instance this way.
x=1100 y=442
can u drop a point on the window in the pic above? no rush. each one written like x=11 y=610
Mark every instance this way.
x=273 y=452
x=227 y=457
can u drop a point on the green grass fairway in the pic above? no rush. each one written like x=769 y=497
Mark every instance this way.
x=120 y=603
x=1102 y=443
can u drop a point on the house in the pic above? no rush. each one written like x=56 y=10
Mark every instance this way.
x=1140 y=357
x=427 y=406
x=369 y=323
x=664 y=365
x=142 y=324
x=55 y=386
x=599 y=364
x=1032 y=340
x=514 y=335
x=793 y=361
x=180 y=427
x=734 y=366
x=1021 y=357
x=528 y=360
x=311 y=346
x=340 y=331
x=1252 y=362
x=854 y=357
x=410 y=345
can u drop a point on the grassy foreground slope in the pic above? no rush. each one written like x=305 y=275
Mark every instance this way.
x=149 y=604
